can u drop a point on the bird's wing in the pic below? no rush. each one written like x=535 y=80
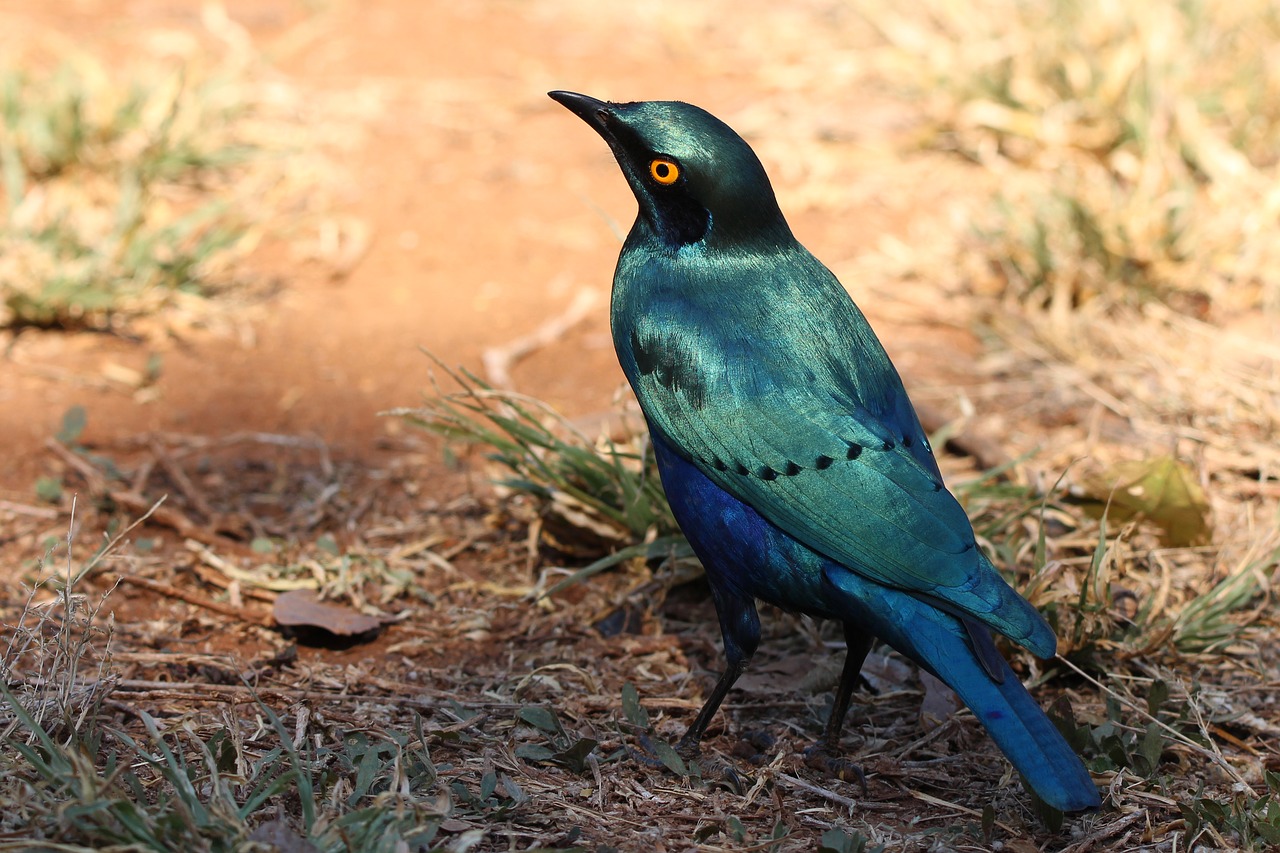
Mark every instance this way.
x=805 y=450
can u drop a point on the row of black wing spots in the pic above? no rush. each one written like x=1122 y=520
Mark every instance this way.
x=764 y=472
x=906 y=443
x=821 y=463
x=769 y=473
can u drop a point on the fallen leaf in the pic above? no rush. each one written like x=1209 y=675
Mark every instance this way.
x=1162 y=490
x=301 y=608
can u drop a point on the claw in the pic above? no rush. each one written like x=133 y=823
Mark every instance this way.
x=715 y=770
x=821 y=757
x=722 y=773
x=646 y=758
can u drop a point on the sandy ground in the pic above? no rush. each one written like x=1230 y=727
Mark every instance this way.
x=479 y=211
x=487 y=211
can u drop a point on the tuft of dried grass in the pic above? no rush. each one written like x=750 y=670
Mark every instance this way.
x=1136 y=144
x=140 y=185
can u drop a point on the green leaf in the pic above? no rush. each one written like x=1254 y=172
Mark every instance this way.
x=49 y=489
x=74 y=421
x=631 y=706
x=668 y=756
x=1162 y=490
x=539 y=718
x=1156 y=697
x=780 y=831
x=534 y=752
x=1149 y=750
x=514 y=791
x=575 y=757
x=836 y=840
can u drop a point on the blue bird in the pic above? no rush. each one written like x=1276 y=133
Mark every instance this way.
x=790 y=454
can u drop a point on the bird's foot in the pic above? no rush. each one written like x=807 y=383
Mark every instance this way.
x=823 y=757
x=754 y=746
x=649 y=757
x=721 y=773
x=717 y=771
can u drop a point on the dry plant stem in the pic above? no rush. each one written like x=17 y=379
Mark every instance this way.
x=97 y=558
x=170 y=591
x=131 y=500
x=938 y=801
x=498 y=361
x=32 y=511
x=202 y=691
x=1212 y=754
x=68 y=606
x=183 y=482
x=1108 y=831
x=217 y=579
x=174 y=520
x=825 y=793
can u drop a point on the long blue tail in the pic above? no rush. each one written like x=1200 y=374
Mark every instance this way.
x=939 y=642
x=1024 y=734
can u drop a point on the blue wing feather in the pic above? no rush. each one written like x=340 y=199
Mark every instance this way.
x=794 y=408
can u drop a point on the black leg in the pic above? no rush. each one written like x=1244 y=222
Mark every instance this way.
x=825 y=755
x=693 y=736
x=859 y=644
x=740 y=626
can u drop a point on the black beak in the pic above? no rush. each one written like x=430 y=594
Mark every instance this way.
x=593 y=112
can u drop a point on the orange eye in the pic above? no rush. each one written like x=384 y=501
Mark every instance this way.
x=664 y=171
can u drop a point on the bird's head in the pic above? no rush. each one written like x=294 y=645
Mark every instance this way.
x=696 y=179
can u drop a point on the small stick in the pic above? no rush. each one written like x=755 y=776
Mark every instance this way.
x=498 y=361
x=172 y=591
x=938 y=801
x=172 y=519
x=182 y=481
x=97 y=558
x=825 y=793
x=1105 y=832
x=442 y=700
x=47 y=512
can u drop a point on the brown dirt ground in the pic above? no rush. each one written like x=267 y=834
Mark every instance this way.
x=489 y=210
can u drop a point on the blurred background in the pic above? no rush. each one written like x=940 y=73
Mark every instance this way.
x=230 y=230
x=228 y=217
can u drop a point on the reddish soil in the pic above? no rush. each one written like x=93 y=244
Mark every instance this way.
x=490 y=210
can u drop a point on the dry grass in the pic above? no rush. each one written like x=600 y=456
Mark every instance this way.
x=1104 y=211
x=138 y=188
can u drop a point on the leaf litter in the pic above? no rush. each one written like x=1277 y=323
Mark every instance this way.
x=490 y=716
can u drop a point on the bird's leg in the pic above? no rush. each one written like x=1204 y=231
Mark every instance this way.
x=692 y=737
x=740 y=626
x=858 y=645
x=825 y=753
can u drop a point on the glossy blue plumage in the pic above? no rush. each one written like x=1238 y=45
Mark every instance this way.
x=788 y=448
x=746 y=557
